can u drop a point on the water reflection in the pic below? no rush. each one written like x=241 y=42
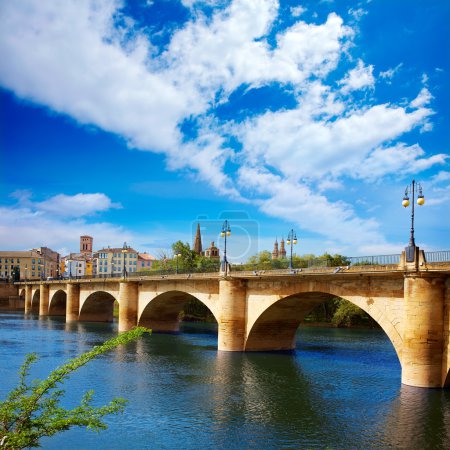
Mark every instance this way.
x=339 y=389
x=419 y=418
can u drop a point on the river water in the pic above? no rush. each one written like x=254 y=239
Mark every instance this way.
x=340 y=389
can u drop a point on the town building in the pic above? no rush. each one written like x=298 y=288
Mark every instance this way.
x=212 y=252
x=79 y=264
x=145 y=261
x=113 y=261
x=33 y=264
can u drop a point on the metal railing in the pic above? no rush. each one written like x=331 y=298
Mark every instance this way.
x=373 y=260
x=273 y=267
x=436 y=257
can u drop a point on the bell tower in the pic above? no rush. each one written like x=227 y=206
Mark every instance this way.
x=275 y=250
x=86 y=245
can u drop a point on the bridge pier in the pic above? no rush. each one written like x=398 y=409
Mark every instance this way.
x=43 y=300
x=423 y=338
x=73 y=302
x=128 y=305
x=232 y=315
x=28 y=292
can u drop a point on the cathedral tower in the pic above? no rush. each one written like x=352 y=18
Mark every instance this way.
x=282 y=249
x=198 y=242
x=275 y=250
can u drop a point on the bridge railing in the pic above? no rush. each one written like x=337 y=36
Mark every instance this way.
x=437 y=257
x=373 y=260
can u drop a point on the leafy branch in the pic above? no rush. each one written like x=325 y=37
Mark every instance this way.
x=32 y=410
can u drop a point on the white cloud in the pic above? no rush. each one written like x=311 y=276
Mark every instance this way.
x=297 y=11
x=443 y=175
x=398 y=160
x=390 y=73
x=357 y=13
x=76 y=205
x=53 y=223
x=358 y=78
x=422 y=99
x=304 y=148
x=73 y=58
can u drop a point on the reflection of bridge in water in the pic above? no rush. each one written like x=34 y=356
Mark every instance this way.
x=261 y=310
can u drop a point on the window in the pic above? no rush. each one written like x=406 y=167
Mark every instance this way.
x=18 y=260
x=33 y=261
x=34 y=267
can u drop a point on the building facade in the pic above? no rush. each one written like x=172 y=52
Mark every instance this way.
x=114 y=261
x=145 y=261
x=33 y=264
x=212 y=252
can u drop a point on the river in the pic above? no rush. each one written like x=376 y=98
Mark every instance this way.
x=339 y=389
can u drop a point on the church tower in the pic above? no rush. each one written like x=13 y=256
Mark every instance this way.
x=86 y=245
x=198 y=242
x=275 y=250
x=282 y=249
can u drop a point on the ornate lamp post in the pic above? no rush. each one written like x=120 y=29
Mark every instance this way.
x=124 y=252
x=226 y=231
x=177 y=255
x=412 y=189
x=26 y=272
x=291 y=240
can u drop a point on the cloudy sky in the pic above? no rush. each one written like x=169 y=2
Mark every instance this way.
x=131 y=121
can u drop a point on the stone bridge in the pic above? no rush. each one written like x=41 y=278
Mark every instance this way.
x=261 y=310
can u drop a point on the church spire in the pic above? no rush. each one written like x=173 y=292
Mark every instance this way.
x=275 y=250
x=282 y=249
x=198 y=241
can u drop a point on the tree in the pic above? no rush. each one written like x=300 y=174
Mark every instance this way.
x=32 y=410
x=188 y=257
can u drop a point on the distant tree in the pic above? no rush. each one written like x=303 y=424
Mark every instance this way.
x=187 y=260
x=260 y=258
x=32 y=410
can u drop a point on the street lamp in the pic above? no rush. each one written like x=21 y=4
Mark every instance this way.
x=177 y=255
x=412 y=189
x=124 y=252
x=226 y=231
x=291 y=240
x=26 y=272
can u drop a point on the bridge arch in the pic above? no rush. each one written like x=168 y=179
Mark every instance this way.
x=57 y=304
x=98 y=307
x=161 y=313
x=35 y=301
x=276 y=326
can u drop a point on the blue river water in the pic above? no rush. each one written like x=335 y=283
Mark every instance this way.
x=339 y=389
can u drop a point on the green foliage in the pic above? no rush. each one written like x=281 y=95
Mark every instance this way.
x=187 y=260
x=196 y=311
x=32 y=410
x=263 y=261
x=340 y=313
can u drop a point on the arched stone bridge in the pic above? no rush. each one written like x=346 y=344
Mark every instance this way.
x=258 y=311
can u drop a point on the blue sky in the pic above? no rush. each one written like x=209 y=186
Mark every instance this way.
x=131 y=121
